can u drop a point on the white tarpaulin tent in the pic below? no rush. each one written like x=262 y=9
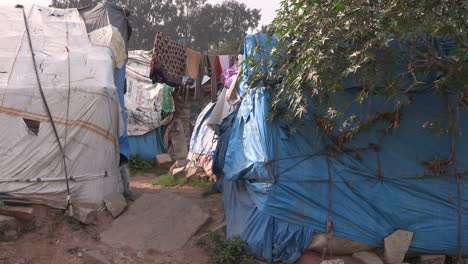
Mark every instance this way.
x=78 y=87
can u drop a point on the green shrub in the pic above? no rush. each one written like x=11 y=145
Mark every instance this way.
x=226 y=251
x=168 y=180
x=136 y=164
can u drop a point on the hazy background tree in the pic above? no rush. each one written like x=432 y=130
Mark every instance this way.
x=194 y=23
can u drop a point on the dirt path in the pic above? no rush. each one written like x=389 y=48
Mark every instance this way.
x=58 y=240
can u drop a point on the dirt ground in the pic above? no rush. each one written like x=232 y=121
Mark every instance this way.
x=55 y=239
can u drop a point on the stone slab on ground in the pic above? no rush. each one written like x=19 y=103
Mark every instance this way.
x=396 y=245
x=83 y=214
x=115 y=203
x=366 y=257
x=432 y=259
x=161 y=222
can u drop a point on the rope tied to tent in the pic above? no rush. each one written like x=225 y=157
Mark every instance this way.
x=329 y=226
x=453 y=130
x=46 y=106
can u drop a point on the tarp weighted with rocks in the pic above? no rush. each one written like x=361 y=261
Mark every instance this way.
x=77 y=79
x=281 y=187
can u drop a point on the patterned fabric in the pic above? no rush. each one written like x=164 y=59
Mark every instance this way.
x=168 y=61
x=229 y=75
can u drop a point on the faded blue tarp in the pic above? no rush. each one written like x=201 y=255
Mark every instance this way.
x=204 y=139
x=149 y=145
x=277 y=183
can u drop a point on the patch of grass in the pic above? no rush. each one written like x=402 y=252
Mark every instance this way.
x=136 y=164
x=226 y=251
x=168 y=180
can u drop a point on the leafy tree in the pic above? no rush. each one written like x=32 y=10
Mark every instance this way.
x=322 y=43
x=216 y=25
x=191 y=22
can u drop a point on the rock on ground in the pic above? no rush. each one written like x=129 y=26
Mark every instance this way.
x=366 y=257
x=85 y=215
x=160 y=222
x=432 y=259
x=164 y=160
x=115 y=203
x=339 y=246
x=396 y=245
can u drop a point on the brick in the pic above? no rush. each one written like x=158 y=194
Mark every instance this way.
x=164 y=160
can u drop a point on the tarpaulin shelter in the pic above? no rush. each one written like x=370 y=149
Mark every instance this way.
x=59 y=109
x=280 y=187
x=143 y=107
x=107 y=25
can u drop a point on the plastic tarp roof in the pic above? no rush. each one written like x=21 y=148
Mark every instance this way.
x=279 y=187
x=107 y=25
x=78 y=83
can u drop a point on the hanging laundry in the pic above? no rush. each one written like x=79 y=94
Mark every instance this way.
x=167 y=101
x=193 y=63
x=215 y=67
x=225 y=61
x=229 y=75
x=168 y=61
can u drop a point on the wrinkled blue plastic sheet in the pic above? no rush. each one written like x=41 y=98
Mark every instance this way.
x=149 y=145
x=204 y=139
x=276 y=185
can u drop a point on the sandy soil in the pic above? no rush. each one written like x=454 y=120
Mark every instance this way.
x=55 y=239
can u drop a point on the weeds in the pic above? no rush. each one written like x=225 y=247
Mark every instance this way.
x=226 y=251
x=138 y=165
x=169 y=180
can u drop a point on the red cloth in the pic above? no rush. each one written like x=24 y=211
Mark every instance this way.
x=218 y=69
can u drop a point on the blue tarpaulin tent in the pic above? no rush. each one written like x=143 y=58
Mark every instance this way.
x=280 y=187
x=148 y=145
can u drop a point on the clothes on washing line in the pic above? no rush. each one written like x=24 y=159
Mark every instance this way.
x=168 y=61
x=166 y=102
x=229 y=75
x=226 y=104
x=225 y=61
x=215 y=67
x=193 y=63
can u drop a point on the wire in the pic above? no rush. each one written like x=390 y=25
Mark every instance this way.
x=46 y=105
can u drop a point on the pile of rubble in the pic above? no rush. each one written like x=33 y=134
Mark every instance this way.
x=395 y=251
